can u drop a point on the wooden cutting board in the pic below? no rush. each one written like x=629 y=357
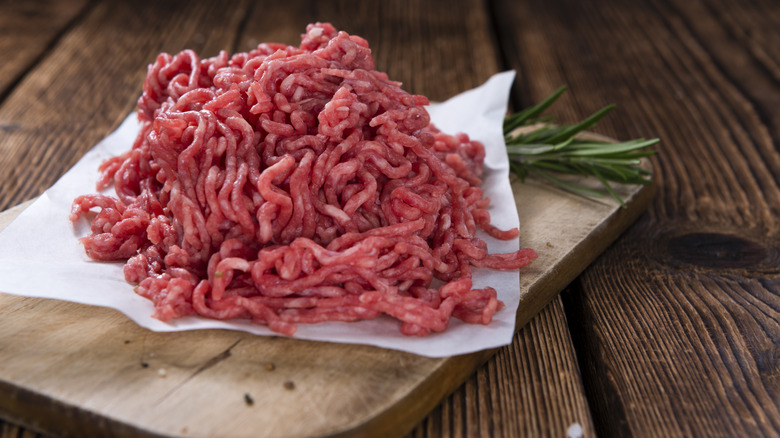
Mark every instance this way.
x=78 y=370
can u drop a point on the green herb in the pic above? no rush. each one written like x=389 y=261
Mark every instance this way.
x=538 y=146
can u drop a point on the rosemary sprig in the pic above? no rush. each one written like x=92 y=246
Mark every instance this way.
x=546 y=149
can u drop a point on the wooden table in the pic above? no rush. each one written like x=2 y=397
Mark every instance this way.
x=673 y=331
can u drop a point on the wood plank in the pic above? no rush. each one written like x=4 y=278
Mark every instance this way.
x=676 y=324
x=10 y=430
x=33 y=26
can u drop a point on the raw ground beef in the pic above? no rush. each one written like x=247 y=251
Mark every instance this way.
x=296 y=185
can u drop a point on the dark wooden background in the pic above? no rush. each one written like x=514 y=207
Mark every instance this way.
x=673 y=331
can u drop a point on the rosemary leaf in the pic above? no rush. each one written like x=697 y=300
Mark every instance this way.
x=545 y=148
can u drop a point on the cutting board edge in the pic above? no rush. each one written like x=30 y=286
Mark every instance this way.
x=42 y=412
x=62 y=419
x=404 y=413
x=423 y=397
x=608 y=232
x=605 y=235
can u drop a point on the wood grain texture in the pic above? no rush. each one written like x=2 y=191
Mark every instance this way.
x=27 y=31
x=676 y=325
x=532 y=388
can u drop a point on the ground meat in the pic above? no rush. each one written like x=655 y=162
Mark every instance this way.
x=296 y=185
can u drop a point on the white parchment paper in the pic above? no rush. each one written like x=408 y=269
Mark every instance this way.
x=40 y=255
